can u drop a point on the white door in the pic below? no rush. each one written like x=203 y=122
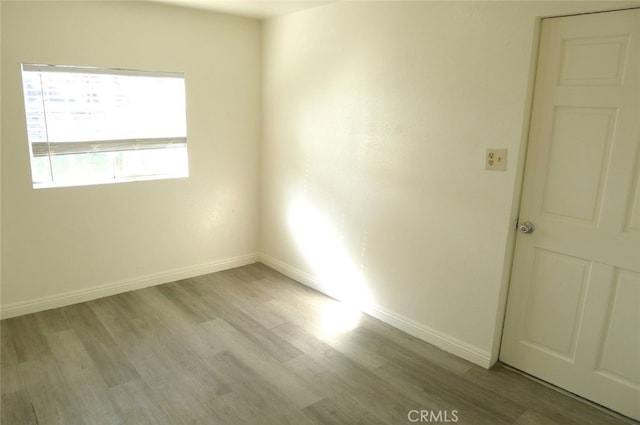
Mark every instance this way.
x=573 y=313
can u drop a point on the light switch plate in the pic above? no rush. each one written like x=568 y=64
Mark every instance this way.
x=496 y=160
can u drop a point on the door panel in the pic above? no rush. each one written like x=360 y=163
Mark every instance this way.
x=588 y=131
x=555 y=302
x=619 y=357
x=573 y=313
x=593 y=61
x=633 y=208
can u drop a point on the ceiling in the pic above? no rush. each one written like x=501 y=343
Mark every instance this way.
x=253 y=8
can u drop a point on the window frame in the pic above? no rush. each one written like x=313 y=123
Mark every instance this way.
x=39 y=149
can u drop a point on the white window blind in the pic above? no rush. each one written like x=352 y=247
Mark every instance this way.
x=93 y=125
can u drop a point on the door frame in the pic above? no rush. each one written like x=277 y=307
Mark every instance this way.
x=521 y=161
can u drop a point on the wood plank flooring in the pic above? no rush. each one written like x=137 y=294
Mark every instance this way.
x=250 y=346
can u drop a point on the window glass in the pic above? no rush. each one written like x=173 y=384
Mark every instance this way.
x=92 y=125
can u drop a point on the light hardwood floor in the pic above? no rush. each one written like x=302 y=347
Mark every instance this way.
x=249 y=346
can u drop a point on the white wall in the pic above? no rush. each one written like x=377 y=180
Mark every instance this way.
x=69 y=244
x=377 y=117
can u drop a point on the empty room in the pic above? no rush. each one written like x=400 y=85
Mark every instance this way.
x=319 y=212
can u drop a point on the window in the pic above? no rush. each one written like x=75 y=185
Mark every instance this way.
x=92 y=126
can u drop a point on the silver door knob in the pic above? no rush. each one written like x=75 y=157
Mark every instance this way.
x=527 y=227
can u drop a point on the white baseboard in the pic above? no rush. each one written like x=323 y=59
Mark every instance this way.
x=73 y=297
x=425 y=333
x=418 y=330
